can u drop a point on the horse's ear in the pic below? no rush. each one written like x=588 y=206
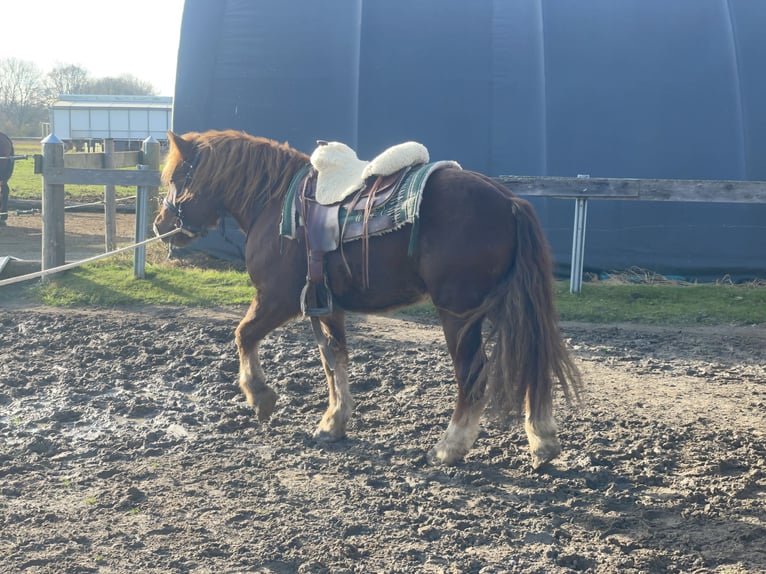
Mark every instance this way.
x=185 y=147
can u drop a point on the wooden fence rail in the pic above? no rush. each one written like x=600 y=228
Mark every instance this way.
x=701 y=190
x=583 y=188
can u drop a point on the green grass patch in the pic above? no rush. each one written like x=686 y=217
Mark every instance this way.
x=24 y=183
x=111 y=284
x=664 y=304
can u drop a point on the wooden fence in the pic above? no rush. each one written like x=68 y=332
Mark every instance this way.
x=582 y=188
x=59 y=169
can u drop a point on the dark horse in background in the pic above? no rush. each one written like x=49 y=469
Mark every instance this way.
x=6 y=170
x=480 y=254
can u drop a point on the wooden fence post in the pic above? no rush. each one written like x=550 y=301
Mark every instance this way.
x=53 y=248
x=151 y=161
x=151 y=149
x=110 y=204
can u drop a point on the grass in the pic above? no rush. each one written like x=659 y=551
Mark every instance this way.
x=664 y=304
x=110 y=283
x=26 y=184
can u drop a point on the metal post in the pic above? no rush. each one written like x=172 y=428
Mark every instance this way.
x=578 y=242
x=53 y=248
x=578 y=245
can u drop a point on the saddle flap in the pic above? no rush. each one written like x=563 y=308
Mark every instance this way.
x=322 y=227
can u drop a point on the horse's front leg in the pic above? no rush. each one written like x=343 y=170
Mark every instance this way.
x=332 y=348
x=257 y=323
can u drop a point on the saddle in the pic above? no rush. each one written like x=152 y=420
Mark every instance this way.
x=337 y=198
x=324 y=232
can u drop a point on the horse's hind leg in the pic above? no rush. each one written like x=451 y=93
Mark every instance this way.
x=333 y=351
x=257 y=323
x=468 y=360
x=541 y=431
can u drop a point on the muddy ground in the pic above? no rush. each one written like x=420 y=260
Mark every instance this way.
x=125 y=446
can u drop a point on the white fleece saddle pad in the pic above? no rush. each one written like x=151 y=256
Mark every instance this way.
x=340 y=173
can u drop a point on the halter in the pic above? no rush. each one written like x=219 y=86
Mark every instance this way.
x=175 y=207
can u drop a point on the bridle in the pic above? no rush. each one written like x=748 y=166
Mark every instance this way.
x=175 y=208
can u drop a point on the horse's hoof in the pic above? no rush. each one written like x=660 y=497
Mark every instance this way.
x=443 y=456
x=264 y=406
x=322 y=435
x=543 y=456
x=433 y=457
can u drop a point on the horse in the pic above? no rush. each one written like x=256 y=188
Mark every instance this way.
x=480 y=255
x=6 y=170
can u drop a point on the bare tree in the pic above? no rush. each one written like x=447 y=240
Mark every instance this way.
x=125 y=85
x=21 y=91
x=66 y=79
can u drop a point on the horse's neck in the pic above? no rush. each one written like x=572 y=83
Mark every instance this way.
x=247 y=211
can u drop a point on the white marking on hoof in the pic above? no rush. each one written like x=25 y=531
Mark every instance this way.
x=329 y=432
x=455 y=443
x=543 y=443
x=332 y=427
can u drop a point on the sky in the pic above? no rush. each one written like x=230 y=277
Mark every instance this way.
x=105 y=37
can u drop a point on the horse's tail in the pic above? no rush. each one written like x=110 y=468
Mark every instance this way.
x=528 y=357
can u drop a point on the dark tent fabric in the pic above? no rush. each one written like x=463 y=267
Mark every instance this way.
x=633 y=89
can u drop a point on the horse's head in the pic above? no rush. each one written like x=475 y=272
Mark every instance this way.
x=187 y=206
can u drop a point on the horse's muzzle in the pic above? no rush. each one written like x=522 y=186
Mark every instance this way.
x=183 y=237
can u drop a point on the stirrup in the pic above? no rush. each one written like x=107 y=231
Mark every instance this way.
x=322 y=297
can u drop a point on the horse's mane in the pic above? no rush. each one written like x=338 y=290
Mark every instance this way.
x=244 y=169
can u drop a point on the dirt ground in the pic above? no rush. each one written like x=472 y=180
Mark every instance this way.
x=127 y=447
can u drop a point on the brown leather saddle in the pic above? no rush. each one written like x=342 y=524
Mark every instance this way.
x=325 y=232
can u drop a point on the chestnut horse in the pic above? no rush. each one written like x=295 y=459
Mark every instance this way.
x=480 y=254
